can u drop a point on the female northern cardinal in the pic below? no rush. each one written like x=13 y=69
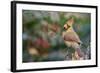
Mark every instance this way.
x=71 y=39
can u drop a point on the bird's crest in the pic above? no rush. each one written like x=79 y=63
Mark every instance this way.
x=69 y=23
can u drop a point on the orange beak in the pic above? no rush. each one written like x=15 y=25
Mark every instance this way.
x=66 y=27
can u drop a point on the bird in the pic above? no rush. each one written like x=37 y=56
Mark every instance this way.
x=71 y=39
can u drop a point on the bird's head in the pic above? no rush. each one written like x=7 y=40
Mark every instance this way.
x=69 y=23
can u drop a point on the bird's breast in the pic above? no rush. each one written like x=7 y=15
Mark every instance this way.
x=72 y=44
x=68 y=43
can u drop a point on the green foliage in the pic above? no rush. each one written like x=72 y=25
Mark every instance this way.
x=35 y=30
x=48 y=19
x=30 y=25
x=62 y=20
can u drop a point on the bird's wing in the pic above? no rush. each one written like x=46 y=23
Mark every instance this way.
x=71 y=36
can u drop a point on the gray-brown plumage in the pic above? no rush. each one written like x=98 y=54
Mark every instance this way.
x=71 y=38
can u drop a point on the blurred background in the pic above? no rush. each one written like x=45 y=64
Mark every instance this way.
x=42 y=35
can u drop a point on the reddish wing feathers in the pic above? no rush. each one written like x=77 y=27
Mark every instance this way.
x=69 y=36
